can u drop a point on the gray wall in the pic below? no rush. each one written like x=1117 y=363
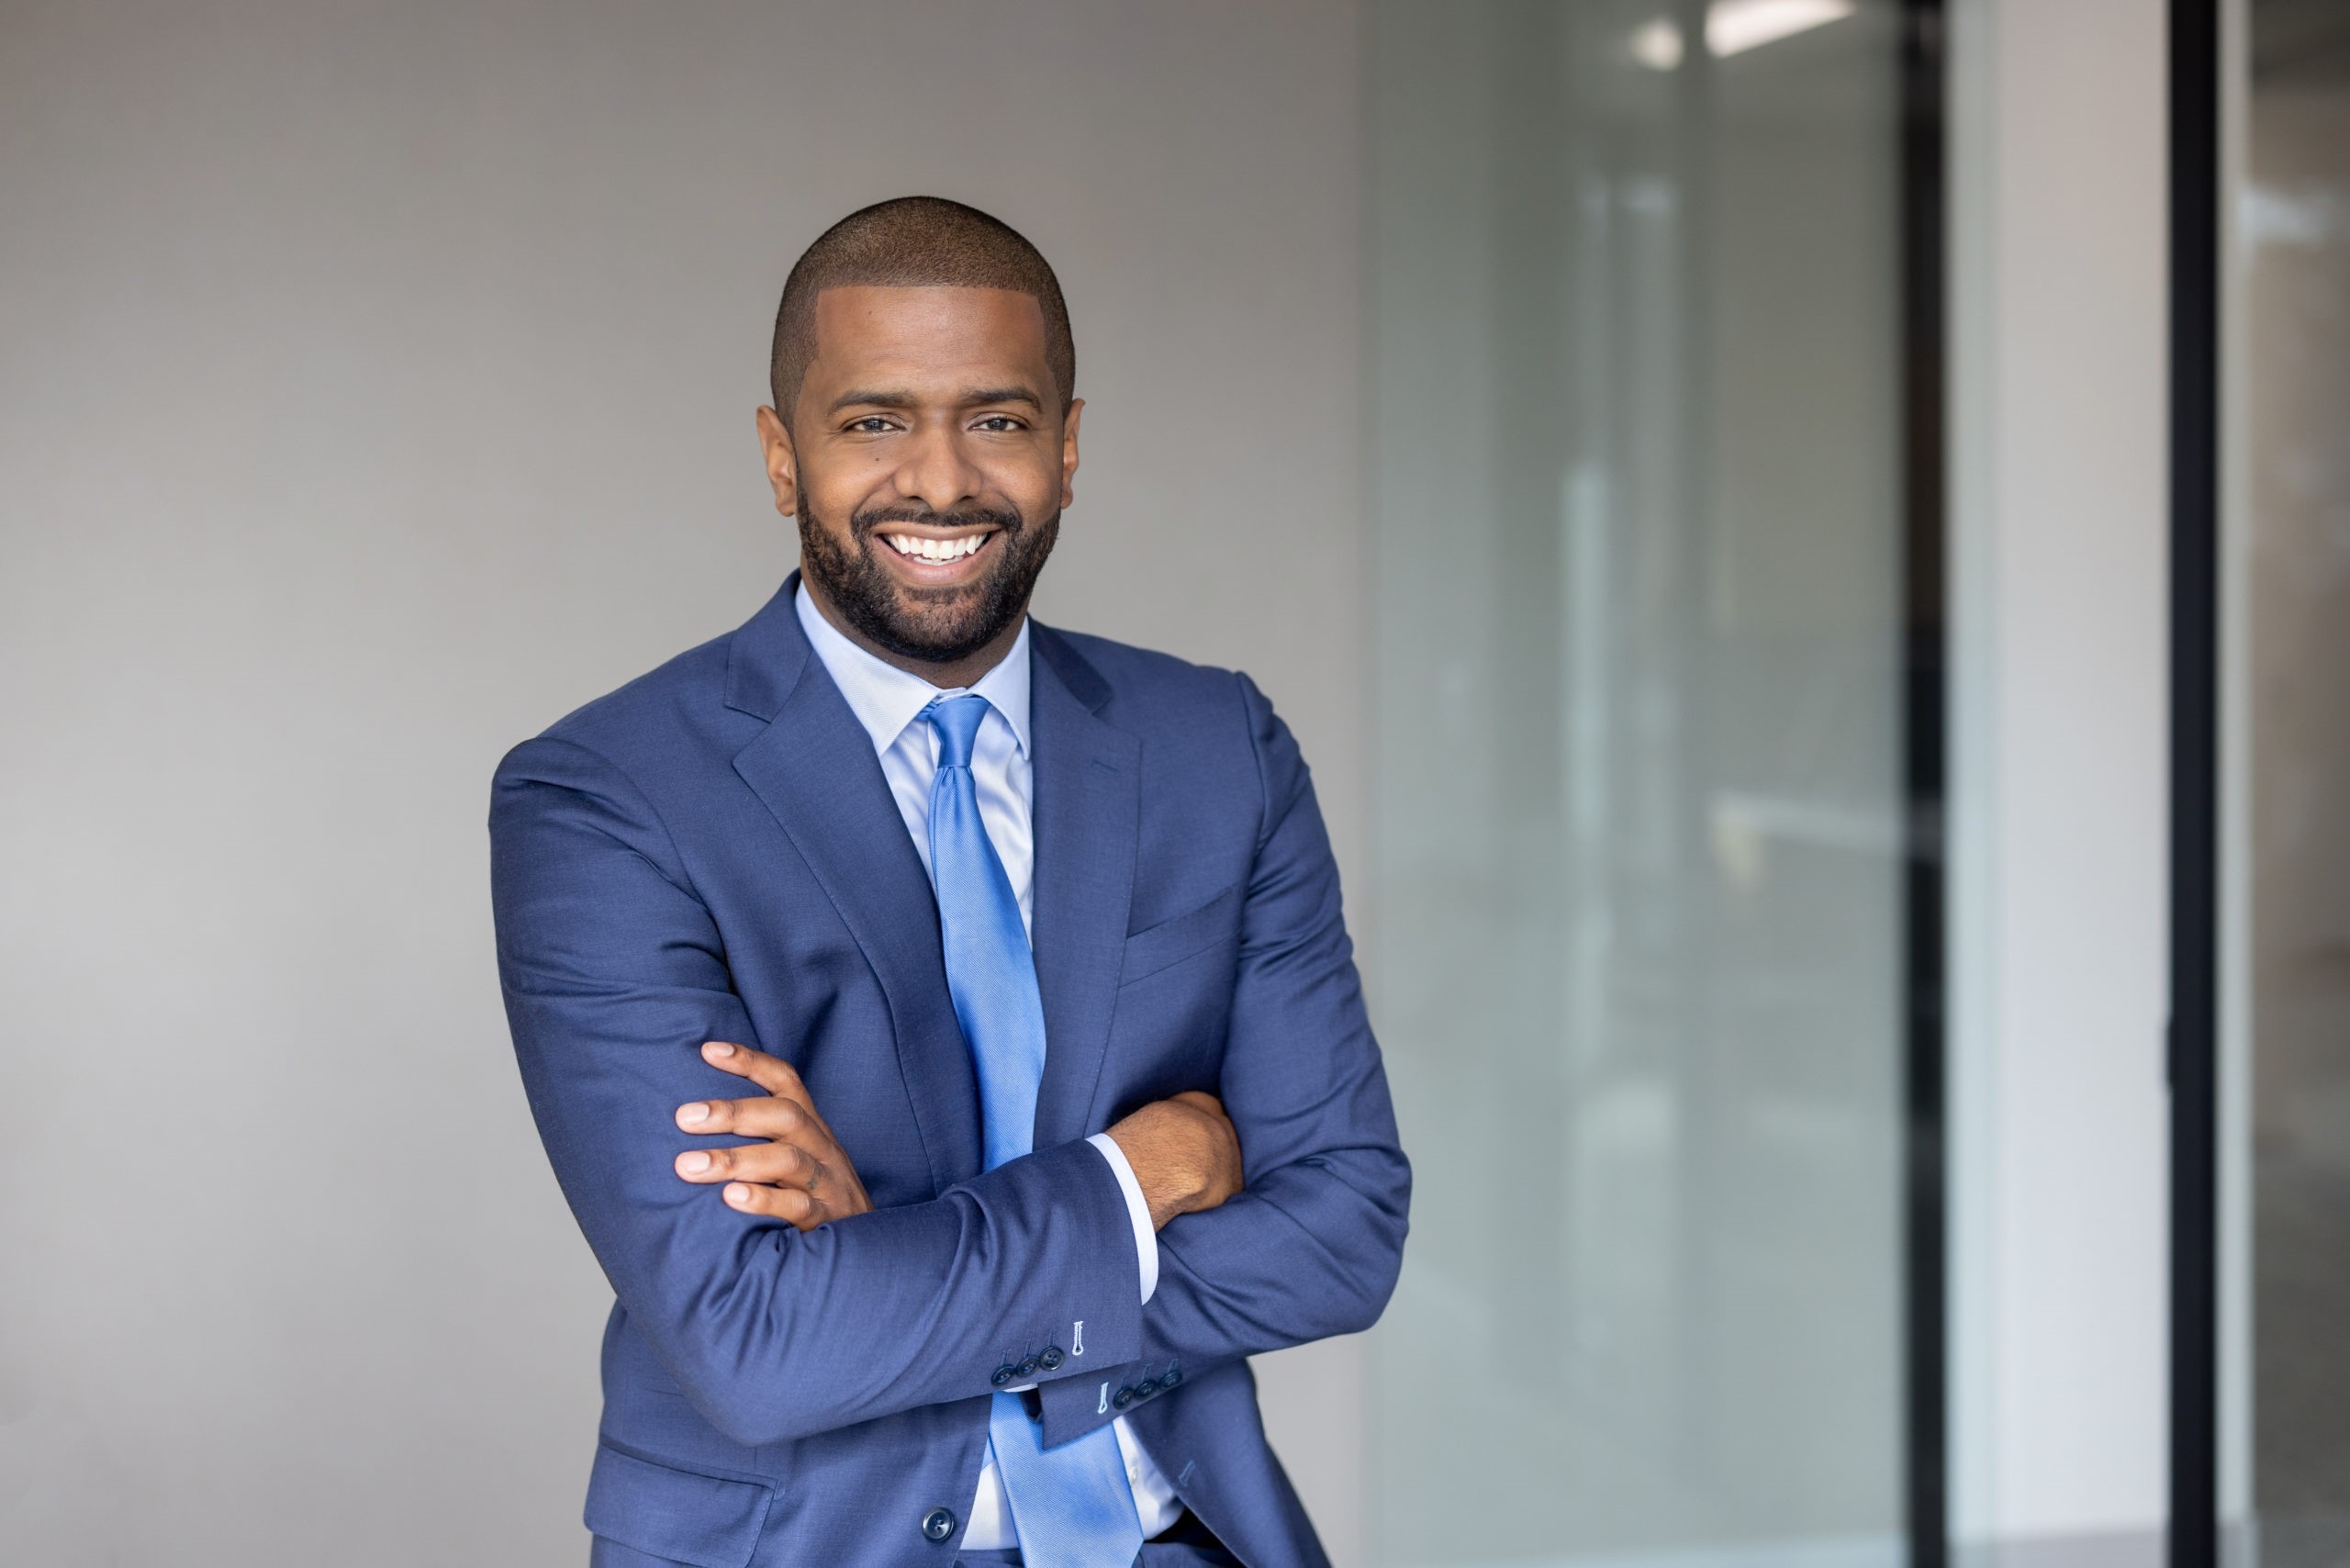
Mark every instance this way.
x=377 y=386
x=2056 y=850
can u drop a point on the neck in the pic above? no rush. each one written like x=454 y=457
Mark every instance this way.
x=946 y=675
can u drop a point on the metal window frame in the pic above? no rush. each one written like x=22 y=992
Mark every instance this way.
x=2195 y=608
x=1925 y=777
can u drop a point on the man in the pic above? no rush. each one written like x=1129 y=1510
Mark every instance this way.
x=943 y=1026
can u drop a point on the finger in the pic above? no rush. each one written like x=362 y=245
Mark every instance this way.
x=772 y=1074
x=1201 y=1099
x=766 y=1117
x=788 y=1204
x=776 y=1164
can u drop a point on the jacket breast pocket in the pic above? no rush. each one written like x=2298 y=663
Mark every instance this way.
x=1186 y=935
x=711 y=1521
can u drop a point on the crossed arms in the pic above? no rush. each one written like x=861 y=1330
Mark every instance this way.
x=1183 y=1150
x=614 y=972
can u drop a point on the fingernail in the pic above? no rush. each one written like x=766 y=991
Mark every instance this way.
x=693 y=1162
x=694 y=1115
x=737 y=1193
x=719 y=1048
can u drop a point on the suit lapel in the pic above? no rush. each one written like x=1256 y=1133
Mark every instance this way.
x=814 y=769
x=1087 y=796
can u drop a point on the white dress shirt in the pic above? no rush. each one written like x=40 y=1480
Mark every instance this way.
x=889 y=702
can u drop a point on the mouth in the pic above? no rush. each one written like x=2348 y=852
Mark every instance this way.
x=933 y=558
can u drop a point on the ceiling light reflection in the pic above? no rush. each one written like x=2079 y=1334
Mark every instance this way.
x=1733 y=27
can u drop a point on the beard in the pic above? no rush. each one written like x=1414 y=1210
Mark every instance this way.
x=936 y=625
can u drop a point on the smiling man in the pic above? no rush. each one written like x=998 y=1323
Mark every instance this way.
x=943 y=1027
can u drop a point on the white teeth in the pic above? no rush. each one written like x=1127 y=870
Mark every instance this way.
x=935 y=548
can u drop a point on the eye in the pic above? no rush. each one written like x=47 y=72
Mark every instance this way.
x=1003 y=424
x=871 y=424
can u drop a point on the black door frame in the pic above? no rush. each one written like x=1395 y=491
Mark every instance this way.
x=2194 y=239
x=1925 y=685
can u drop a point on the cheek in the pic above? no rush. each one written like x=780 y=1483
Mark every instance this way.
x=1032 y=481
x=838 y=491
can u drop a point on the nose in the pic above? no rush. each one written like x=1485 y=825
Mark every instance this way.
x=937 y=472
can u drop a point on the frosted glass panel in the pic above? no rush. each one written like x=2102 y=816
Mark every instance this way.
x=2293 y=236
x=1636 y=945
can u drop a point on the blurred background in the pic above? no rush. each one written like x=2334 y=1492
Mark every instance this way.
x=1692 y=472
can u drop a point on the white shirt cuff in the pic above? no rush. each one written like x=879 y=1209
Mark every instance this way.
x=1145 y=1234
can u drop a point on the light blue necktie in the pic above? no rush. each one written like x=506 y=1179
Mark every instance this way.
x=1071 y=1507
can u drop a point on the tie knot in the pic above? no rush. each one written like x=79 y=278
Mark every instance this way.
x=957 y=720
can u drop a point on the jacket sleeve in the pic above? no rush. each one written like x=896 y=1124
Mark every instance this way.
x=1312 y=1246
x=614 y=974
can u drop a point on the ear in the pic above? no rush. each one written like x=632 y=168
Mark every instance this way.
x=783 y=463
x=1068 y=451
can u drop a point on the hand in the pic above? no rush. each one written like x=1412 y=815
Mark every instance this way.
x=800 y=1174
x=1184 y=1152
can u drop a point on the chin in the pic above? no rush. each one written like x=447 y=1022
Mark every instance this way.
x=933 y=638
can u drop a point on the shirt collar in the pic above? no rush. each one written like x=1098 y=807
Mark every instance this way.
x=886 y=698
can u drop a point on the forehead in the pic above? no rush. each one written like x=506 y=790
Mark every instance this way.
x=920 y=335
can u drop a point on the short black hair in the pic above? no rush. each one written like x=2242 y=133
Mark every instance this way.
x=915 y=242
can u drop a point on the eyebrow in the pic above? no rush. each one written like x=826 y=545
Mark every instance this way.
x=864 y=398
x=1003 y=395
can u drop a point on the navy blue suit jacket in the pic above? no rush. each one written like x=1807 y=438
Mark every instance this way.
x=711 y=853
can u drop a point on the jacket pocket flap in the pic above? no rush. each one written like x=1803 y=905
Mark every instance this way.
x=1173 y=940
x=707 y=1521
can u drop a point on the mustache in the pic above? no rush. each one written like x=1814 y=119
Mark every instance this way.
x=863 y=524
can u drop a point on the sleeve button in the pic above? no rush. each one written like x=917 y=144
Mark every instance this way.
x=938 y=1524
x=1122 y=1398
x=1004 y=1374
x=1171 y=1377
x=1051 y=1359
x=1028 y=1366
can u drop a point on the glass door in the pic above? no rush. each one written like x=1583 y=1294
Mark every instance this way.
x=1649 y=834
x=2286 y=869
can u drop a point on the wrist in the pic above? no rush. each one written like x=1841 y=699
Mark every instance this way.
x=1183 y=1154
x=1164 y=1191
